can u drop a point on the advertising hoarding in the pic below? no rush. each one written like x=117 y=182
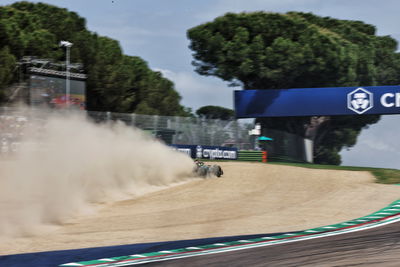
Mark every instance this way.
x=207 y=152
x=317 y=101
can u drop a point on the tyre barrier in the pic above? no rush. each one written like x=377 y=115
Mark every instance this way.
x=249 y=155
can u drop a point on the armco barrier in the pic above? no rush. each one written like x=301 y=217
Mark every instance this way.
x=248 y=155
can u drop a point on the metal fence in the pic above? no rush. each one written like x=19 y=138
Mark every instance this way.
x=287 y=147
x=185 y=130
x=170 y=130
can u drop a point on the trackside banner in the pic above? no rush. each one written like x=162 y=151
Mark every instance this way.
x=317 y=101
x=207 y=152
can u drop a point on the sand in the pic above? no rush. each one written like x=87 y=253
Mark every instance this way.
x=250 y=198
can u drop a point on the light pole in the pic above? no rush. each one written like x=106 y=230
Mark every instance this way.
x=67 y=45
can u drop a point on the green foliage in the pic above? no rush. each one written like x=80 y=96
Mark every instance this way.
x=116 y=82
x=215 y=112
x=262 y=50
x=7 y=64
x=266 y=50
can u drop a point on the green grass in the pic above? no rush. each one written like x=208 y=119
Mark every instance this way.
x=383 y=176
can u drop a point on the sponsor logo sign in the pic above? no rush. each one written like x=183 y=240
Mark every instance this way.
x=317 y=101
x=207 y=152
x=360 y=100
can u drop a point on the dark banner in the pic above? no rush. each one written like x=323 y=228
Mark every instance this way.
x=317 y=101
x=207 y=152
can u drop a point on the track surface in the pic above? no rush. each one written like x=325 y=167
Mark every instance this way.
x=375 y=247
x=250 y=198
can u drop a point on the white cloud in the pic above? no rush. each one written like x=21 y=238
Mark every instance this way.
x=198 y=91
x=377 y=146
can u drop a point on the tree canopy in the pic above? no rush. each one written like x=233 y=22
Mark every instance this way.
x=263 y=50
x=116 y=82
x=215 y=112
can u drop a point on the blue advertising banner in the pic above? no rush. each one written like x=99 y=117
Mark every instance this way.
x=207 y=152
x=317 y=101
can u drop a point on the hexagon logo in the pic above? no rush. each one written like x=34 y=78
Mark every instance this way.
x=360 y=100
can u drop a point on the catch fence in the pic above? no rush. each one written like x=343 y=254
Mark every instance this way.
x=185 y=130
x=168 y=129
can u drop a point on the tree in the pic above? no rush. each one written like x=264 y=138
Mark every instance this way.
x=215 y=112
x=116 y=82
x=7 y=65
x=298 y=50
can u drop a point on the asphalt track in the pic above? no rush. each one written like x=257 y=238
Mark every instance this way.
x=375 y=247
x=55 y=258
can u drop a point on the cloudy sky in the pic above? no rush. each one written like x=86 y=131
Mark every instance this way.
x=155 y=30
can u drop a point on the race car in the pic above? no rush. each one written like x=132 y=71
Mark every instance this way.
x=203 y=170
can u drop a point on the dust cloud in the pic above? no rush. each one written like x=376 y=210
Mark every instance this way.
x=67 y=165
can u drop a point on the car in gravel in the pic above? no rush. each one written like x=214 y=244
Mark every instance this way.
x=204 y=170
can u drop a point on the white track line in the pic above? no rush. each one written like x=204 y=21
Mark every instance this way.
x=263 y=244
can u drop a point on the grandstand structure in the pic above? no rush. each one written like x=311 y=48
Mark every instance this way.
x=42 y=82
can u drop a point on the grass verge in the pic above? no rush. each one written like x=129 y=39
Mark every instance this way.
x=382 y=175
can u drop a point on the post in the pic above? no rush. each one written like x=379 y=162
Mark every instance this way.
x=67 y=85
x=264 y=156
x=67 y=46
